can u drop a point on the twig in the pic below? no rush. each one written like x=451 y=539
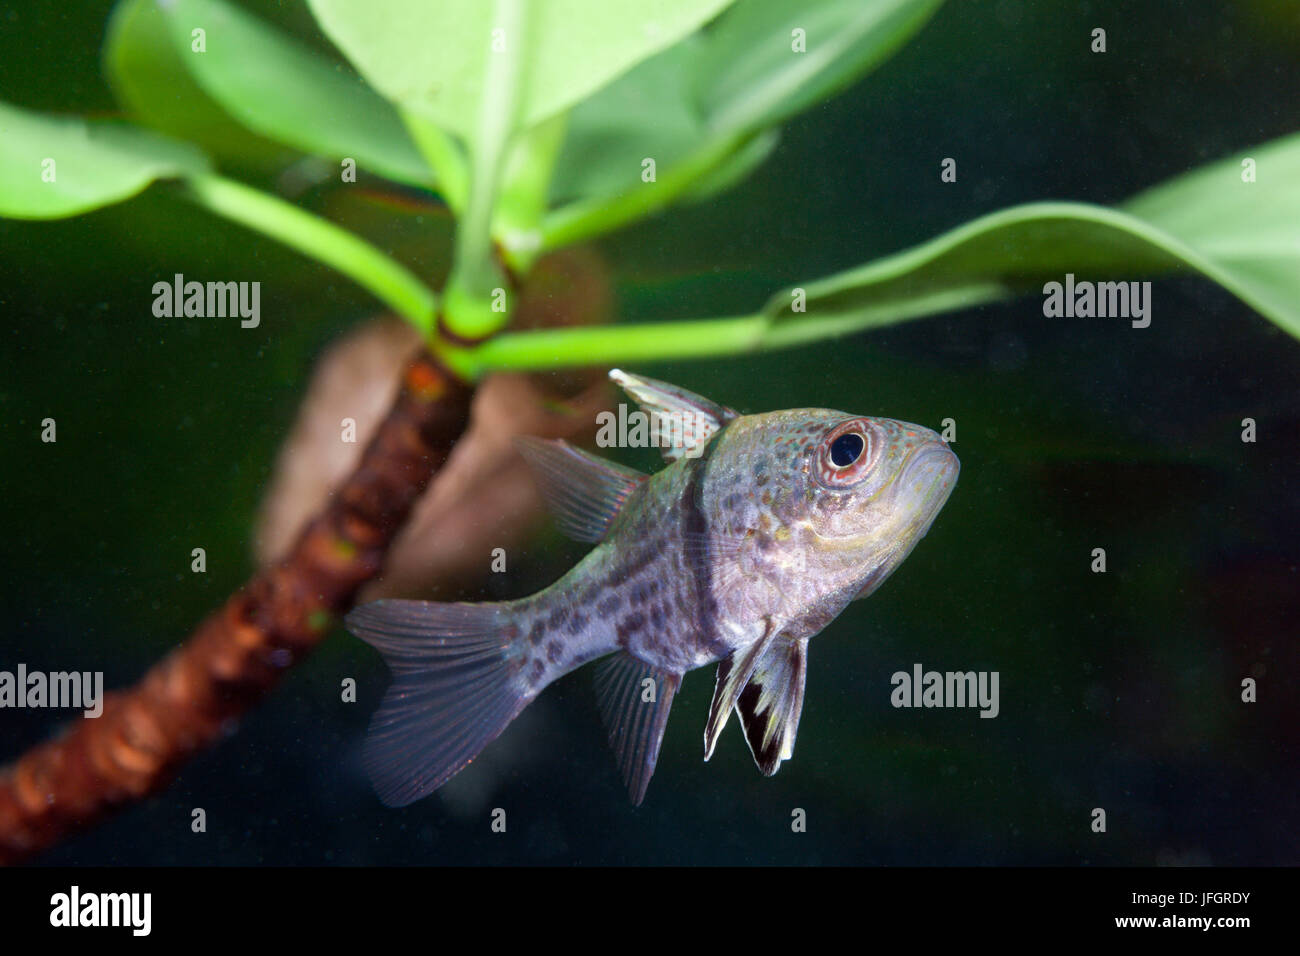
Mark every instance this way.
x=182 y=703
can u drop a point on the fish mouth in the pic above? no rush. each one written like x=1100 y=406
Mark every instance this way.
x=925 y=482
x=919 y=490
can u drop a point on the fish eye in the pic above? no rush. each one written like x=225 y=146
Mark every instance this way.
x=848 y=454
x=847 y=449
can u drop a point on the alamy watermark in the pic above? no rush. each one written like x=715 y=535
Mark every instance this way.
x=658 y=429
x=1085 y=300
x=75 y=908
x=82 y=690
x=922 y=688
x=208 y=300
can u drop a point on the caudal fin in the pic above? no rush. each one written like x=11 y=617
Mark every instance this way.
x=455 y=689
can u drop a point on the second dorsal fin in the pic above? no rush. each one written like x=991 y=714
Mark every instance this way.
x=583 y=491
x=686 y=421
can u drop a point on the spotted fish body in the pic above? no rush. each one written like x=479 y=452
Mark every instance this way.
x=756 y=536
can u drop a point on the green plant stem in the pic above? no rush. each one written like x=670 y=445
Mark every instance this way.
x=525 y=183
x=467 y=309
x=598 y=345
x=443 y=155
x=583 y=220
x=390 y=281
x=695 y=338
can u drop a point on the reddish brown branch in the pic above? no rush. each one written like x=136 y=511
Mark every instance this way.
x=180 y=706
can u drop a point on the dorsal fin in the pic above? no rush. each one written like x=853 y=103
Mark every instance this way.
x=771 y=702
x=685 y=420
x=583 y=491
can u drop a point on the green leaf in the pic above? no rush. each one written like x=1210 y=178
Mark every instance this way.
x=434 y=58
x=1248 y=233
x=751 y=154
x=1244 y=236
x=591 y=217
x=647 y=113
x=56 y=166
x=276 y=86
x=997 y=256
x=750 y=75
x=150 y=81
x=709 y=103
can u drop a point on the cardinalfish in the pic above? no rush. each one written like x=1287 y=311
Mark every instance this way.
x=758 y=533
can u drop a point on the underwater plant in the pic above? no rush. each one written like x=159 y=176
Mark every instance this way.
x=539 y=125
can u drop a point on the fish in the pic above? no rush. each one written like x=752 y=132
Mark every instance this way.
x=756 y=535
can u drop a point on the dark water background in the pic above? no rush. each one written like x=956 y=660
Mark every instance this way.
x=1118 y=691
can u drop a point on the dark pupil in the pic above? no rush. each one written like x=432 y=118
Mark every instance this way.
x=846 y=449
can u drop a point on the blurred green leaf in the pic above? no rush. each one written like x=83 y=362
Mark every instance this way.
x=1243 y=235
x=150 y=81
x=710 y=101
x=646 y=113
x=433 y=58
x=749 y=74
x=277 y=87
x=56 y=166
x=1247 y=232
x=751 y=154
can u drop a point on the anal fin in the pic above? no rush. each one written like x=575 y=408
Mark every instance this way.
x=771 y=702
x=635 y=698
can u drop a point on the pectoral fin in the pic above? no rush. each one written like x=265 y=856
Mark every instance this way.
x=771 y=702
x=689 y=420
x=634 y=701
